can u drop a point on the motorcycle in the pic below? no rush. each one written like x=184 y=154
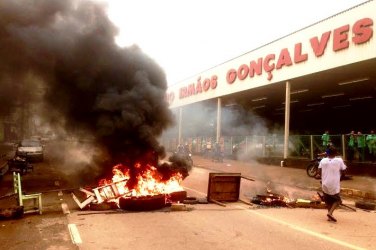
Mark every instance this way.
x=185 y=156
x=313 y=168
x=189 y=159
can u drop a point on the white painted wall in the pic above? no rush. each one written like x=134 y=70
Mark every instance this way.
x=330 y=59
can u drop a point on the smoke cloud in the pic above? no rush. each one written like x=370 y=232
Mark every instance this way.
x=88 y=84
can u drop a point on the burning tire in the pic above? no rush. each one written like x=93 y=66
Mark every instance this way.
x=103 y=206
x=144 y=203
x=190 y=200
x=178 y=196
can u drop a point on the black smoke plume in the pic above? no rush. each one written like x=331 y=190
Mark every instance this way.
x=89 y=83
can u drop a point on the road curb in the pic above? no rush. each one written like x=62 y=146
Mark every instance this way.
x=354 y=193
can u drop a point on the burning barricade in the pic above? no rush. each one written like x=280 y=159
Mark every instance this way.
x=272 y=200
x=277 y=200
x=148 y=188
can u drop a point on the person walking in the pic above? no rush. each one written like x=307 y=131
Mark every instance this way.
x=331 y=168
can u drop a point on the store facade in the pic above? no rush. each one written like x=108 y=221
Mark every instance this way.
x=322 y=72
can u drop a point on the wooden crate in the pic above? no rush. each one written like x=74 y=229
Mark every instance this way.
x=224 y=186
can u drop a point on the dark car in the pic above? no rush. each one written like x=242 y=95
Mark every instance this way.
x=30 y=149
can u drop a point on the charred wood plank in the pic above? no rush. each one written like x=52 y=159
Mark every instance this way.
x=217 y=202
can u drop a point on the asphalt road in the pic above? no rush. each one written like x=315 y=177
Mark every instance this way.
x=201 y=226
x=236 y=226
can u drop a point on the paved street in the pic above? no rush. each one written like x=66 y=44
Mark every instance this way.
x=93 y=95
x=288 y=176
x=200 y=226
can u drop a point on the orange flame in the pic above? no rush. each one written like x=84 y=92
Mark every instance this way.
x=149 y=181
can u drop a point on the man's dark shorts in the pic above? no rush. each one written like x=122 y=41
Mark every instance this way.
x=331 y=198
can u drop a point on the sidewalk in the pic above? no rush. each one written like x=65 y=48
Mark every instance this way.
x=357 y=187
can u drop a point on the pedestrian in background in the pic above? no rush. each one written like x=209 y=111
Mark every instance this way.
x=351 y=146
x=371 y=145
x=331 y=170
x=325 y=138
x=361 y=143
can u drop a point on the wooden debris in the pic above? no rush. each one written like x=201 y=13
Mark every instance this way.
x=302 y=203
x=247 y=178
x=217 y=202
x=246 y=202
x=84 y=203
x=178 y=207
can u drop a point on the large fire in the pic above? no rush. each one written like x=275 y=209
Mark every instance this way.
x=149 y=183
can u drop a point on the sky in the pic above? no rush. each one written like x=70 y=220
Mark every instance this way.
x=188 y=37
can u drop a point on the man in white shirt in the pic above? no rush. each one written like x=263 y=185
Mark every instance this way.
x=331 y=170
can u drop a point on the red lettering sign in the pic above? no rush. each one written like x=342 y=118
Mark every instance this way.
x=341 y=38
x=362 y=30
x=243 y=71
x=319 y=46
x=298 y=56
x=284 y=59
x=255 y=67
x=197 y=88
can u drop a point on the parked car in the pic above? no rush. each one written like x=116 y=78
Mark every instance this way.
x=36 y=138
x=30 y=149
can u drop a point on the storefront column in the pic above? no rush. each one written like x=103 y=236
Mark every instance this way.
x=219 y=119
x=287 y=124
x=311 y=146
x=344 y=156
